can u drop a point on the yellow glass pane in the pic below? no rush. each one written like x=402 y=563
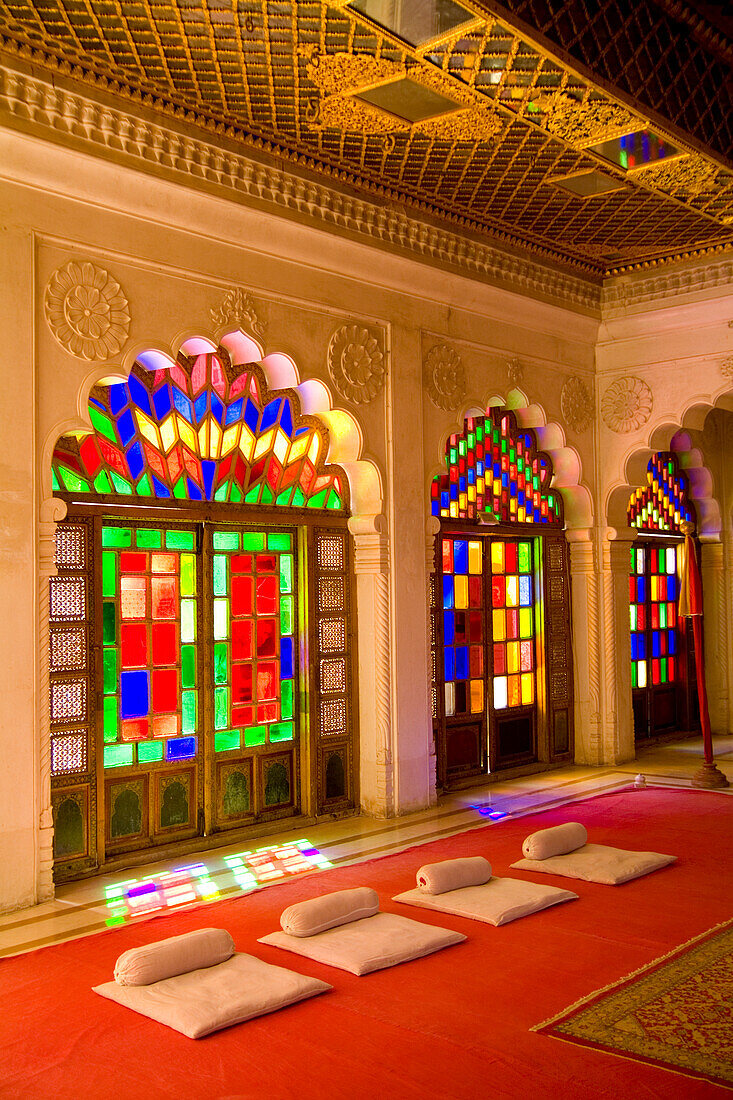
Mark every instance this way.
x=499 y=625
x=450 y=698
x=247 y=442
x=514 y=692
x=655 y=588
x=461 y=591
x=525 y=622
x=641 y=673
x=204 y=438
x=474 y=557
x=168 y=432
x=512 y=657
x=214 y=439
x=500 y=695
x=477 y=696
x=187 y=434
x=497 y=557
x=527 y=688
x=230 y=440
x=512 y=591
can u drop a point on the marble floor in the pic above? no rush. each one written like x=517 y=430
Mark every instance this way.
x=138 y=893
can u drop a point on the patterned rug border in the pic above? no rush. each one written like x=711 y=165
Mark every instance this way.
x=628 y=979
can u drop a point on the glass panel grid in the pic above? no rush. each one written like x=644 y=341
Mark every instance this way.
x=513 y=622
x=663 y=503
x=463 y=625
x=653 y=593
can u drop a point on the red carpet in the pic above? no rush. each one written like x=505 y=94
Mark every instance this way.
x=453 y=1025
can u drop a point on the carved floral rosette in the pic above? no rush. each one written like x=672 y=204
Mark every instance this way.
x=86 y=311
x=356 y=363
x=627 y=404
x=576 y=404
x=445 y=377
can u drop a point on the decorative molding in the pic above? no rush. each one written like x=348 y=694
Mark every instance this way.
x=576 y=404
x=61 y=115
x=356 y=363
x=239 y=308
x=514 y=372
x=86 y=311
x=445 y=377
x=726 y=368
x=583 y=124
x=631 y=290
x=690 y=175
x=627 y=404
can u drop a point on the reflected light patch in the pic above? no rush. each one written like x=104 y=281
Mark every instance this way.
x=490 y=811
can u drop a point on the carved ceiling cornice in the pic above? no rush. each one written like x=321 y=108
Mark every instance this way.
x=666 y=282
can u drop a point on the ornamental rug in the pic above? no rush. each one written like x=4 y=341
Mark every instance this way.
x=677 y=1012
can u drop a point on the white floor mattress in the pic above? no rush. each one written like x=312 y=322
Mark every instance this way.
x=598 y=863
x=498 y=901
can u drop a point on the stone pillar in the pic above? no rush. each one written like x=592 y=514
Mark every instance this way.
x=617 y=718
x=716 y=632
x=52 y=511
x=376 y=753
x=586 y=621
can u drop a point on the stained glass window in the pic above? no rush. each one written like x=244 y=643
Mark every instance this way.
x=149 y=645
x=512 y=611
x=653 y=592
x=494 y=468
x=463 y=625
x=663 y=503
x=200 y=430
x=254 y=638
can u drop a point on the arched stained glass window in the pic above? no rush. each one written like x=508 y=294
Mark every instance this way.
x=663 y=503
x=494 y=468
x=201 y=430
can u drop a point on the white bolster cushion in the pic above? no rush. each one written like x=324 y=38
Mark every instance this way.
x=557 y=841
x=453 y=874
x=308 y=918
x=178 y=955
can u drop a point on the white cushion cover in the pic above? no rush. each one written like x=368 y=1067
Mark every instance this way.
x=308 y=918
x=369 y=944
x=498 y=901
x=598 y=863
x=178 y=954
x=203 y=1001
x=555 y=841
x=453 y=874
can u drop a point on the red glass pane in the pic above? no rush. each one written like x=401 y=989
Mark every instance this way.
x=241 y=563
x=165 y=690
x=266 y=563
x=671 y=614
x=475 y=591
x=133 y=645
x=499 y=660
x=476 y=626
x=460 y=627
x=510 y=557
x=165 y=597
x=90 y=454
x=447 y=554
x=476 y=661
x=242 y=684
x=268 y=681
x=242 y=595
x=135 y=729
x=662 y=589
x=166 y=725
x=498 y=591
x=243 y=716
x=670 y=669
x=165 y=643
x=267 y=595
x=242 y=639
x=632 y=589
x=655 y=616
x=655 y=671
x=512 y=623
x=266 y=638
x=133 y=563
x=640 y=616
x=268 y=712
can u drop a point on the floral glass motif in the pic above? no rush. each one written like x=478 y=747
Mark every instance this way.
x=493 y=467
x=200 y=430
x=662 y=504
x=149 y=651
x=463 y=625
x=653 y=593
x=254 y=638
x=513 y=627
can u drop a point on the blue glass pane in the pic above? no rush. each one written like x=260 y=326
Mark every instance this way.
x=640 y=589
x=460 y=556
x=208 y=469
x=194 y=493
x=525 y=591
x=159 y=489
x=234 y=412
x=180 y=748
x=286 y=658
x=462 y=662
x=200 y=406
x=448 y=659
x=216 y=407
x=634 y=646
x=162 y=402
x=134 y=694
x=139 y=395
x=117 y=397
x=448 y=628
x=286 y=419
x=447 y=591
x=251 y=416
x=126 y=427
x=269 y=416
x=183 y=405
x=672 y=641
x=656 y=648
x=671 y=588
x=641 y=647
x=135 y=459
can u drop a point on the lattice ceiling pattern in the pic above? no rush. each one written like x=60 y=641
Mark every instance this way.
x=292 y=71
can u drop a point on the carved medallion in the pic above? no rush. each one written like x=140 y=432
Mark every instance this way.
x=238 y=308
x=514 y=371
x=86 y=311
x=627 y=404
x=726 y=368
x=576 y=404
x=445 y=377
x=356 y=363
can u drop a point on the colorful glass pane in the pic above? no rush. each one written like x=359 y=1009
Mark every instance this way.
x=463 y=621
x=512 y=597
x=653 y=593
x=197 y=431
x=663 y=503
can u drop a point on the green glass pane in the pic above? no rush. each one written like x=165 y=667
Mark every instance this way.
x=116 y=536
x=283 y=499
x=188 y=621
x=268 y=496
x=110 y=718
x=524 y=557
x=103 y=424
x=221 y=708
x=55 y=483
x=663 y=616
x=255 y=735
x=236 y=495
x=149 y=751
x=109 y=573
x=253 y=540
x=121 y=484
x=225 y=742
x=144 y=488
x=118 y=756
x=319 y=500
x=298 y=498
x=188 y=575
x=102 y=483
x=188 y=707
x=226 y=540
x=281 y=731
x=286 y=614
x=334 y=501
x=221 y=492
x=286 y=699
x=279 y=540
x=109 y=624
x=663 y=670
x=179 y=489
x=73 y=482
x=286 y=573
x=180 y=540
x=632 y=616
x=253 y=495
x=148 y=539
x=110 y=670
x=220 y=663
x=188 y=666
x=220 y=574
x=221 y=619
x=633 y=674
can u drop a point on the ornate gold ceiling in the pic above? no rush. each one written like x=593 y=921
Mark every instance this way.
x=481 y=124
